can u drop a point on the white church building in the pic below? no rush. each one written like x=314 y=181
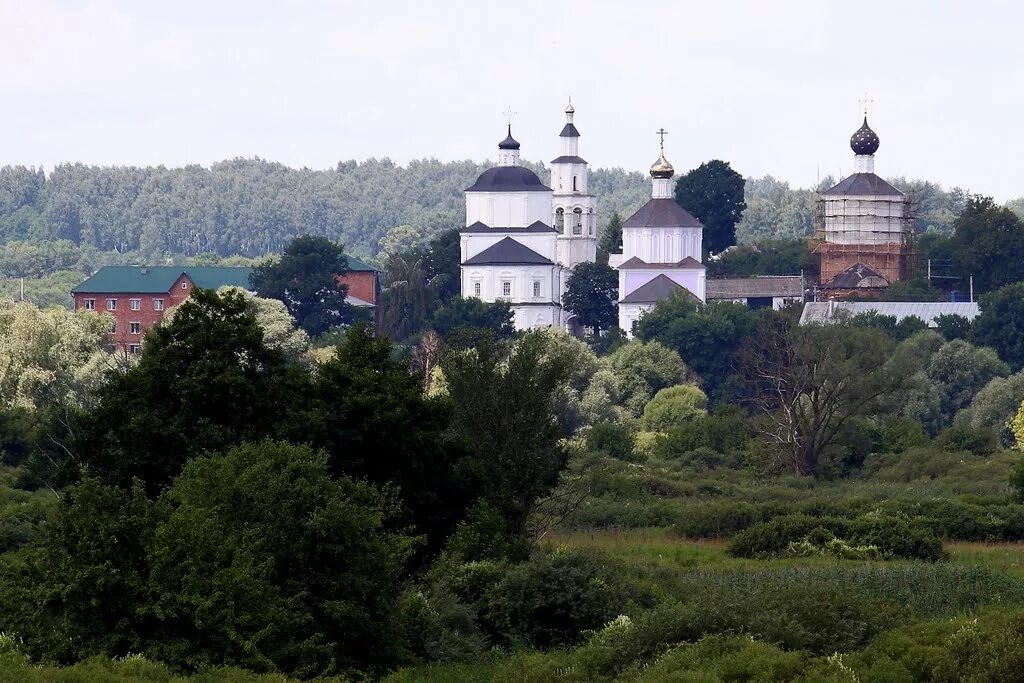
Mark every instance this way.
x=523 y=238
x=661 y=250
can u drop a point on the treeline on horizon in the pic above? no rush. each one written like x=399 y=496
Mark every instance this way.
x=89 y=216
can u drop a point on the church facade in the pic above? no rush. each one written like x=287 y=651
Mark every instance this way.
x=522 y=238
x=661 y=251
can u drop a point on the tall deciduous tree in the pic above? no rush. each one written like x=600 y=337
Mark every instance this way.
x=611 y=238
x=306 y=280
x=503 y=415
x=713 y=192
x=807 y=383
x=1001 y=323
x=989 y=244
x=706 y=336
x=207 y=381
x=463 y=322
x=591 y=293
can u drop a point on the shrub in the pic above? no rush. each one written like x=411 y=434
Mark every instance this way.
x=552 y=599
x=485 y=534
x=611 y=438
x=981 y=441
x=893 y=537
x=897 y=435
x=674 y=407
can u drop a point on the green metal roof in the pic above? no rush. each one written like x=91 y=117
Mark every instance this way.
x=355 y=264
x=160 y=279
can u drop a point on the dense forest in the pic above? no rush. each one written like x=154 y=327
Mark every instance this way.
x=251 y=207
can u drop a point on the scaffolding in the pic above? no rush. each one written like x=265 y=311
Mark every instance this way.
x=877 y=232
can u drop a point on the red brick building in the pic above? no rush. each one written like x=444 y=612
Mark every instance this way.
x=138 y=297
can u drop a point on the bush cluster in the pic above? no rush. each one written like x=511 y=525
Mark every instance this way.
x=887 y=537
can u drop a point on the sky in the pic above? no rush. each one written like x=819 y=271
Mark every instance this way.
x=772 y=87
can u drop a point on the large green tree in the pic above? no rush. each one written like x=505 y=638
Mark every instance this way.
x=713 y=192
x=465 y=321
x=807 y=383
x=1000 y=324
x=591 y=293
x=306 y=280
x=989 y=244
x=611 y=238
x=504 y=417
x=206 y=382
x=706 y=336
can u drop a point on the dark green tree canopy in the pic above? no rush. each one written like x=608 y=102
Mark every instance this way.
x=611 y=239
x=306 y=280
x=713 y=193
x=1000 y=324
x=706 y=336
x=988 y=244
x=591 y=293
x=205 y=382
x=465 y=321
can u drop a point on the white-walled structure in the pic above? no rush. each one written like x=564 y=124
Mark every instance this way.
x=661 y=251
x=522 y=239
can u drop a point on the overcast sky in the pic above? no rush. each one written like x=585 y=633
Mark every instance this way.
x=771 y=87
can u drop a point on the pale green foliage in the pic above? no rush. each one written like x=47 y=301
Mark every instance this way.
x=51 y=356
x=642 y=369
x=994 y=406
x=400 y=239
x=279 y=331
x=954 y=374
x=599 y=400
x=581 y=363
x=774 y=210
x=1017 y=427
x=674 y=407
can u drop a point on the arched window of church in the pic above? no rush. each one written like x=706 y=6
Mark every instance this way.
x=559 y=218
x=574 y=183
x=476 y=289
x=668 y=249
x=577 y=221
x=654 y=249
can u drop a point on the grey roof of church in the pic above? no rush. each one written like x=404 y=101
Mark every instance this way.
x=867 y=184
x=536 y=226
x=662 y=213
x=637 y=264
x=508 y=179
x=661 y=287
x=857 y=275
x=569 y=131
x=753 y=287
x=568 y=160
x=507 y=252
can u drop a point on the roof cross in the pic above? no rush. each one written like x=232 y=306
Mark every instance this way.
x=509 y=114
x=865 y=103
x=661 y=133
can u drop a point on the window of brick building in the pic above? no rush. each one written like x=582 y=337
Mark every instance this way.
x=135 y=304
x=111 y=304
x=113 y=328
x=134 y=349
x=158 y=304
x=90 y=304
x=135 y=328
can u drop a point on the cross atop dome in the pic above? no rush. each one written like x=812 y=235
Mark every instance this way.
x=662 y=169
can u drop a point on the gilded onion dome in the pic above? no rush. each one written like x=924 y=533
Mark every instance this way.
x=662 y=168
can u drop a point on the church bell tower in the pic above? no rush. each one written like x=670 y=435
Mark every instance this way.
x=573 y=206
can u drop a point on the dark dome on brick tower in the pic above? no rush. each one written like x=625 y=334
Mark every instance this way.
x=865 y=140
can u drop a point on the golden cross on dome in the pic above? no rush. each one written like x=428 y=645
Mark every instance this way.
x=865 y=103
x=661 y=133
x=509 y=114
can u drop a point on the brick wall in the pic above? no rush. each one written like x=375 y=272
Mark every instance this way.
x=124 y=337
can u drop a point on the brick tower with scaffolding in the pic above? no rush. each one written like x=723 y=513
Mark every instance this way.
x=863 y=221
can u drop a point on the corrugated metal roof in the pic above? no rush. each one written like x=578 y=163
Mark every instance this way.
x=158 y=279
x=752 y=287
x=820 y=312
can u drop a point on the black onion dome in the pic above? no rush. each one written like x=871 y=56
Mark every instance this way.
x=509 y=142
x=864 y=141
